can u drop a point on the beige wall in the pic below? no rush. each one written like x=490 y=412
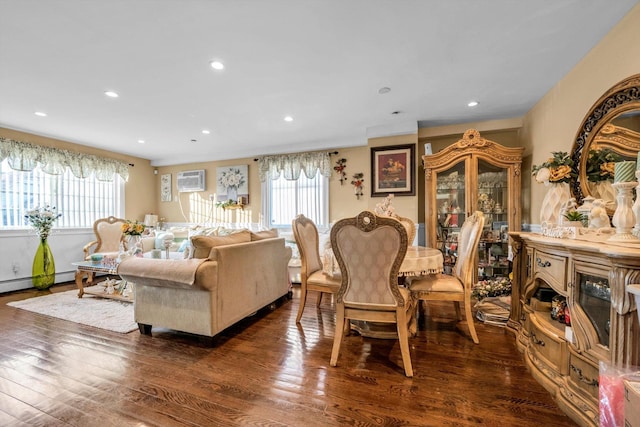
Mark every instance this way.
x=139 y=190
x=552 y=124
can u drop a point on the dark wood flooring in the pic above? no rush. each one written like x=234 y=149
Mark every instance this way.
x=265 y=371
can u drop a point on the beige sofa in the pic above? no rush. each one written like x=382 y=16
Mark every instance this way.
x=224 y=283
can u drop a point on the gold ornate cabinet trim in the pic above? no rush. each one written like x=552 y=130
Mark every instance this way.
x=595 y=281
x=466 y=154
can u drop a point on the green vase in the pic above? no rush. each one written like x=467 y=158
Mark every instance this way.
x=44 y=268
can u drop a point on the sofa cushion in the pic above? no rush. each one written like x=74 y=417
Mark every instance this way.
x=202 y=244
x=265 y=234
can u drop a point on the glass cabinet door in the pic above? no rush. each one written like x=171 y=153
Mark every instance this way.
x=594 y=298
x=451 y=210
x=493 y=200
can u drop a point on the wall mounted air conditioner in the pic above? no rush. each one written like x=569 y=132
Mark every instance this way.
x=190 y=181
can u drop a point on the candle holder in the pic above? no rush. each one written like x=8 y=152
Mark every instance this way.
x=636 y=207
x=623 y=219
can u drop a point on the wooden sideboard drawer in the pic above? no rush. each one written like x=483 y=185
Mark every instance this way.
x=547 y=341
x=551 y=268
x=583 y=375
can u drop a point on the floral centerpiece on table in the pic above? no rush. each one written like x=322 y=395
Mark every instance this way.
x=133 y=228
x=385 y=208
x=558 y=168
x=601 y=164
x=499 y=286
x=42 y=219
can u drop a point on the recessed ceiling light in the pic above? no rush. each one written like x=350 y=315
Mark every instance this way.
x=472 y=103
x=40 y=113
x=141 y=141
x=217 y=65
x=206 y=132
x=288 y=119
x=111 y=94
x=395 y=113
x=384 y=90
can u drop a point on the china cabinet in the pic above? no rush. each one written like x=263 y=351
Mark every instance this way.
x=473 y=174
x=599 y=323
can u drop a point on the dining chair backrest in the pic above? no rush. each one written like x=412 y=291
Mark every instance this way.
x=369 y=250
x=410 y=226
x=468 y=240
x=305 y=233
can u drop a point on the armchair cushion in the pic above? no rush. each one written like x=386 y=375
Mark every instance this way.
x=203 y=244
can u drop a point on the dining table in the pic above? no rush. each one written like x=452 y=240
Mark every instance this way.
x=418 y=261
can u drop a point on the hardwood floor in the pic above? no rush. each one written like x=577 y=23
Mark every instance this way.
x=265 y=371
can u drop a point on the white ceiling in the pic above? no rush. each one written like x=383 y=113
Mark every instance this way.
x=320 y=61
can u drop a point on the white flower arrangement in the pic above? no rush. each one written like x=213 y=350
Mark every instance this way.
x=385 y=208
x=42 y=219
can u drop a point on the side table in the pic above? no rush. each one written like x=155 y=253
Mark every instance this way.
x=89 y=268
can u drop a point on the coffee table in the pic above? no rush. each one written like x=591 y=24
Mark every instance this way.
x=89 y=268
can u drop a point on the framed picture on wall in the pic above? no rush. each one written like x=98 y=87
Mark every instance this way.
x=165 y=187
x=233 y=183
x=392 y=170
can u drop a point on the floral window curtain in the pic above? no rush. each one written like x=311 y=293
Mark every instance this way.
x=290 y=165
x=24 y=156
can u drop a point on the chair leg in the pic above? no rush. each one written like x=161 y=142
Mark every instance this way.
x=470 y=324
x=337 y=336
x=403 y=338
x=456 y=305
x=319 y=298
x=303 y=300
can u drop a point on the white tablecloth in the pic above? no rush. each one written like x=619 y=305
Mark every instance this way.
x=419 y=261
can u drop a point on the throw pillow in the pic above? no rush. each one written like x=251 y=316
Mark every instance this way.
x=202 y=244
x=265 y=234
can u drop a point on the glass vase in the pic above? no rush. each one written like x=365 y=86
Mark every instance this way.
x=44 y=268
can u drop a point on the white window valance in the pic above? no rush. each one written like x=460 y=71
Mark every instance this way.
x=290 y=165
x=24 y=156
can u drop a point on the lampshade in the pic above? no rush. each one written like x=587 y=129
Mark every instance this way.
x=151 y=220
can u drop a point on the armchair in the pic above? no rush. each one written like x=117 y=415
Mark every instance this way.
x=108 y=232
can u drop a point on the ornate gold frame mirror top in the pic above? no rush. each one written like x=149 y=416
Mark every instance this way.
x=613 y=122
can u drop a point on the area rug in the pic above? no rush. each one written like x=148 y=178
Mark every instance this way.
x=112 y=315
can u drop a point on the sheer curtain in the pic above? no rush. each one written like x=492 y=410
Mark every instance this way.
x=286 y=192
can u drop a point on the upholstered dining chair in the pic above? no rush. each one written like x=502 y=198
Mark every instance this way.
x=370 y=250
x=410 y=226
x=312 y=278
x=456 y=287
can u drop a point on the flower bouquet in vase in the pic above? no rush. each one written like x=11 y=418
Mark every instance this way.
x=44 y=268
x=556 y=173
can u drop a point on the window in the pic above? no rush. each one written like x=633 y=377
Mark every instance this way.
x=81 y=201
x=284 y=199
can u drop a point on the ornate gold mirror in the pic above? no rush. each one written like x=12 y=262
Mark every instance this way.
x=611 y=127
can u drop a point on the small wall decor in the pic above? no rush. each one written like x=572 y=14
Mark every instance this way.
x=392 y=170
x=358 y=184
x=165 y=187
x=341 y=165
x=233 y=183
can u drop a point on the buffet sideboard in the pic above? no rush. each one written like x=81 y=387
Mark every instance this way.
x=570 y=310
